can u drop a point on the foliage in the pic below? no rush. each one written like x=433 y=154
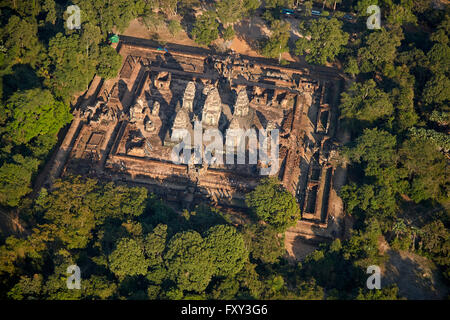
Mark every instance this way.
x=364 y=104
x=205 y=29
x=439 y=139
x=278 y=41
x=109 y=62
x=227 y=250
x=388 y=293
x=264 y=243
x=71 y=69
x=322 y=40
x=273 y=204
x=228 y=33
x=32 y=113
x=230 y=11
x=437 y=90
x=379 y=50
x=189 y=262
x=174 y=27
x=427 y=169
x=128 y=259
x=15 y=178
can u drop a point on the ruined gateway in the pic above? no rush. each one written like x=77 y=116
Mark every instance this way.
x=123 y=127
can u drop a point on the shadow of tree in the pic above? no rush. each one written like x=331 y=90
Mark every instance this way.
x=246 y=31
x=22 y=77
x=416 y=277
x=188 y=19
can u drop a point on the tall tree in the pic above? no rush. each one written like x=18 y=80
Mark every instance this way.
x=15 y=179
x=128 y=259
x=363 y=104
x=278 y=40
x=427 y=169
x=69 y=207
x=227 y=250
x=189 y=262
x=273 y=204
x=322 y=39
x=20 y=39
x=205 y=28
x=71 y=69
x=380 y=49
x=230 y=11
x=32 y=113
x=109 y=62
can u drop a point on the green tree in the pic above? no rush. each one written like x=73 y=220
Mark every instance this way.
x=308 y=5
x=228 y=33
x=227 y=250
x=117 y=14
x=99 y=287
x=379 y=50
x=128 y=259
x=27 y=288
x=69 y=208
x=109 y=62
x=154 y=246
x=439 y=58
x=71 y=69
x=90 y=38
x=363 y=104
x=278 y=41
x=437 y=90
x=351 y=66
x=273 y=204
x=427 y=169
x=442 y=32
x=435 y=238
x=205 y=29
x=19 y=38
x=49 y=7
x=250 y=6
x=15 y=179
x=229 y=11
x=376 y=148
x=403 y=95
x=400 y=14
x=322 y=40
x=32 y=113
x=226 y=289
x=120 y=202
x=263 y=243
x=309 y=290
x=388 y=293
x=174 y=27
x=189 y=261
x=362 y=5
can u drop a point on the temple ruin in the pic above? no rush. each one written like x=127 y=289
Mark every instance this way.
x=125 y=128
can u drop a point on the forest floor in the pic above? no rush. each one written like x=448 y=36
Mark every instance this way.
x=417 y=277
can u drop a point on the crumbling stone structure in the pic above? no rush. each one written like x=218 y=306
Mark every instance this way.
x=125 y=131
